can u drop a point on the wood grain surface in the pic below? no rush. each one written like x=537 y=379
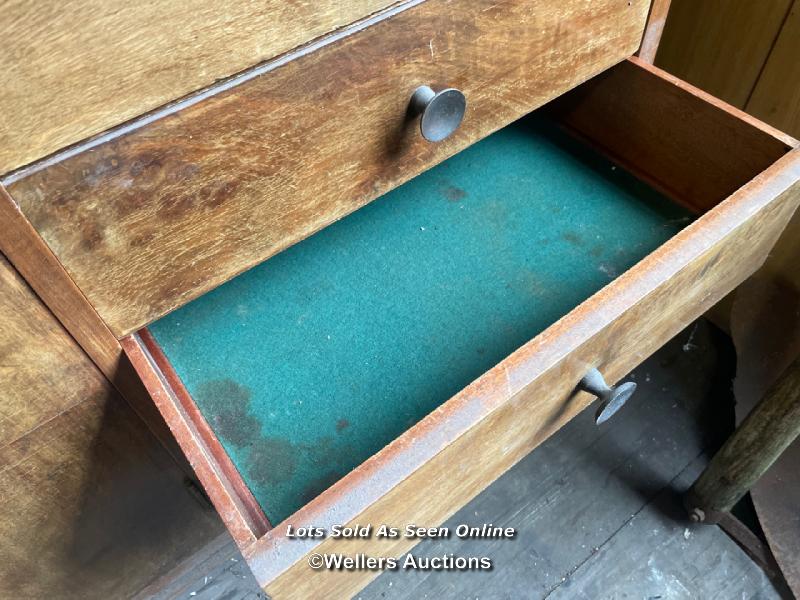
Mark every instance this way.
x=493 y=423
x=93 y=507
x=21 y=244
x=148 y=221
x=76 y=68
x=721 y=45
x=776 y=96
x=653 y=30
x=31 y=257
x=687 y=144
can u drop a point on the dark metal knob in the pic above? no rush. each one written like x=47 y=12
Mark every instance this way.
x=611 y=398
x=440 y=112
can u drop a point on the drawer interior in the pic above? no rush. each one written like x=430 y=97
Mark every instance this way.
x=312 y=362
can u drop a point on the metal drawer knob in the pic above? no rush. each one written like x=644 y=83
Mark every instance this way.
x=440 y=112
x=611 y=398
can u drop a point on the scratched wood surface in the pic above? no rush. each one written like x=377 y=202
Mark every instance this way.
x=76 y=68
x=148 y=221
x=93 y=507
x=529 y=396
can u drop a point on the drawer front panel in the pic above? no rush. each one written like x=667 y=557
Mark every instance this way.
x=146 y=222
x=92 y=64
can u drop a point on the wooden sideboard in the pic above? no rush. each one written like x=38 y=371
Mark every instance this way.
x=215 y=218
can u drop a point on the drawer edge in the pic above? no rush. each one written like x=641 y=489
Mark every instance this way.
x=227 y=491
x=380 y=489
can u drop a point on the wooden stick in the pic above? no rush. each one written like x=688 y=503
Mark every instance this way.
x=758 y=442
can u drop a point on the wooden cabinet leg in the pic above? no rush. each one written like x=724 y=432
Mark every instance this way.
x=758 y=442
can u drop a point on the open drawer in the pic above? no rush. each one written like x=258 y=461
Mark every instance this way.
x=389 y=368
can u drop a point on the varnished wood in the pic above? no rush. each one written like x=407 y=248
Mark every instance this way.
x=767 y=431
x=74 y=69
x=514 y=407
x=688 y=144
x=721 y=45
x=456 y=451
x=31 y=257
x=776 y=96
x=224 y=485
x=20 y=243
x=653 y=30
x=146 y=222
x=83 y=485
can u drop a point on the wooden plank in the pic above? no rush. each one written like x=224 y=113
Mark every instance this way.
x=74 y=69
x=33 y=259
x=146 y=222
x=83 y=484
x=776 y=97
x=648 y=120
x=653 y=30
x=720 y=45
x=512 y=409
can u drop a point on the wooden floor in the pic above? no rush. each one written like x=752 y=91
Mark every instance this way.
x=597 y=510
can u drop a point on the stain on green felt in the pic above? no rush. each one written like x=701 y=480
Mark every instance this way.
x=228 y=406
x=313 y=361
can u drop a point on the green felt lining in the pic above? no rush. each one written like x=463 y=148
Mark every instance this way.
x=310 y=363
